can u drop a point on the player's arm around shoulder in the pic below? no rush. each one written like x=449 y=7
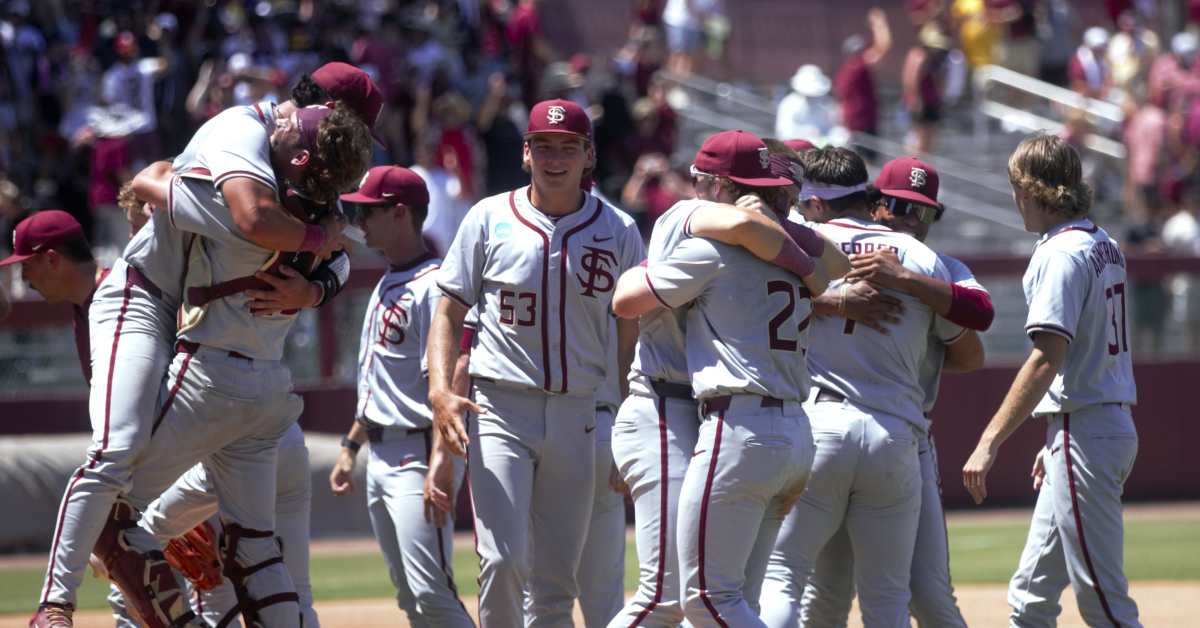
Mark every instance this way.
x=672 y=282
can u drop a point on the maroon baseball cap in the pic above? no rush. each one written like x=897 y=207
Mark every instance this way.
x=559 y=116
x=799 y=145
x=739 y=156
x=390 y=184
x=42 y=231
x=352 y=86
x=909 y=178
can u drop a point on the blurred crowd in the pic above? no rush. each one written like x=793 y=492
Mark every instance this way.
x=92 y=90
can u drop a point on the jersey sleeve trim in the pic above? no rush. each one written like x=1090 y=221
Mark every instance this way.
x=1046 y=327
x=959 y=336
x=461 y=301
x=234 y=174
x=650 y=285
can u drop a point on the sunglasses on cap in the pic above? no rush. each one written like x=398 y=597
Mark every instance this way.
x=698 y=174
x=927 y=214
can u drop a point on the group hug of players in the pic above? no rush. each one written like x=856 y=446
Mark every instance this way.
x=757 y=379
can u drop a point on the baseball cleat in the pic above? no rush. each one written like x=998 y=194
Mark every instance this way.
x=51 y=616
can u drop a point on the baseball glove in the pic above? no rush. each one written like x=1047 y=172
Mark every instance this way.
x=195 y=556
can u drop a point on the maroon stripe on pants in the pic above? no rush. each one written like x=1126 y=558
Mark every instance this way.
x=662 y=513
x=1087 y=558
x=62 y=512
x=712 y=471
x=174 y=391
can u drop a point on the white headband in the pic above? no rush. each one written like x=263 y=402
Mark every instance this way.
x=827 y=191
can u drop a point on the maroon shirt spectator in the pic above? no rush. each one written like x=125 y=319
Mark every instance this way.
x=524 y=30
x=854 y=84
x=110 y=166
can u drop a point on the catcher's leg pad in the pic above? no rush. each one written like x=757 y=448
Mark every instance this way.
x=196 y=556
x=151 y=593
x=253 y=563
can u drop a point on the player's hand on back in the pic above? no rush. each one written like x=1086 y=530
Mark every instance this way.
x=881 y=268
x=291 y=291
x=448 y=412
x=341 y=479
x=865 y=304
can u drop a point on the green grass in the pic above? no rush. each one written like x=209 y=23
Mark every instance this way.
x=981 y=552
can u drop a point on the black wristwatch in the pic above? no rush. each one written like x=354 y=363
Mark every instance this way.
x=351 y=445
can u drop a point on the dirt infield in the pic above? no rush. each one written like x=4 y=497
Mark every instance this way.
x=1162 y=604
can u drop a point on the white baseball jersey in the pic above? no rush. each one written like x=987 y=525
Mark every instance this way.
x=661 y=353
x=158 y=251
x=1075 y=287
x=609 y=393
x=234 y=143
x=393 y=383
x=935 y=354
x=195 y=205
x=875 y=370
x=544 y=285
x=747 y=327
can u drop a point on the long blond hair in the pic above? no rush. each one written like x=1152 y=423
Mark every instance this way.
x=1048 y=169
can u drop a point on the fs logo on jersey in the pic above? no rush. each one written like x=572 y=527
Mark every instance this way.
x=555 y=114
x=917 y=177
x=597 y=264
x=394 y=321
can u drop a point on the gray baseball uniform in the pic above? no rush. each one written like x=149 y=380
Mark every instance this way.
x=1075 y=287
x=659 y=410
x=754 y=450
x=601 y=573
x=866 y=412
x=131 y=325
x=392 y=391
x=830 y=590
x=228 y=401
x=544 y=288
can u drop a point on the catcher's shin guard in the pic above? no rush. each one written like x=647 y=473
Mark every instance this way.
x=254 y=565
x=145 y=579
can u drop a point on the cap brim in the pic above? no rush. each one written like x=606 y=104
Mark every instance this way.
x=15 y=259
x=529 y=134
x=355 y=197
x=910 y=195
x=762 y=182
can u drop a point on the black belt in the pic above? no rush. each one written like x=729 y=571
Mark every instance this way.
x=824 y=394
x=189 y=347
x=671 y=390
x=135 y=277
x=375 y=432
x=722 y=403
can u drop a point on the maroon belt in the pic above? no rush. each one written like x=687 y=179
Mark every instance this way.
x=189 y=347
x=135 y=277
x=722 y=403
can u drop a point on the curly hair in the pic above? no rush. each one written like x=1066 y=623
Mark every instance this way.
x=127 y=200
x=342 y=156
x=1048 y=169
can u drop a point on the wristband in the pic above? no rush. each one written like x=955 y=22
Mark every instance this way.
x=842 y=299
x=792 y=259
x=314 y=238
x=351 y=445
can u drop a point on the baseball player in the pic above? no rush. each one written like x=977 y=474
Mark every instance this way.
x=908 y=204
x=392 y=401
x=541 y=262
x=745 y=358
x=866 y=412
x=1079 y=378
x=228 y=397
x=132 y=325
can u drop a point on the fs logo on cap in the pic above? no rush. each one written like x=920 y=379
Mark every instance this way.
x=764 y=158
x=555 y=114
x=917 y=177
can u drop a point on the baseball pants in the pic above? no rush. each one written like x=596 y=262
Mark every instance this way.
x=752 y=461
x=530 y=455
x=418 y=554
x=601 y=573
x=1077 y=535
x=866 y=475
x=230 y=412
x=830 y=589
x=129 y=328
x=652 y=442
x=192 y=499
